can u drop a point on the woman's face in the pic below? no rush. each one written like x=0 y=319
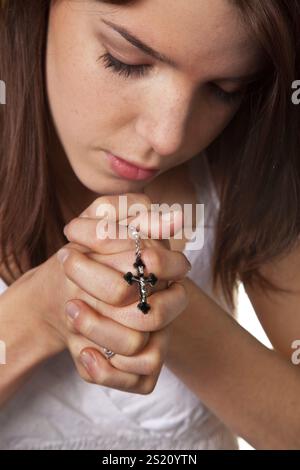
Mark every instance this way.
x=159 y=116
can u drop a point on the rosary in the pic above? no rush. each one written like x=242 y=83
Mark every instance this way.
x=140 y=278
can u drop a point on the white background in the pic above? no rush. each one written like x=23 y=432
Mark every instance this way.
x=248 y=319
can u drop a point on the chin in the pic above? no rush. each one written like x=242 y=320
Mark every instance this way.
x=111 y=186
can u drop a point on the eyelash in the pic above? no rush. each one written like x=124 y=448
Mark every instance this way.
x=122 y=69
x=226 y=96
x=138 y=71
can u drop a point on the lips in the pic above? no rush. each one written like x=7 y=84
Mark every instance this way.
x=129 y=171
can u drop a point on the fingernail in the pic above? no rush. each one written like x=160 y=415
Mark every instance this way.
x=87 y=359
x=72 y=310
x=190 y=267
x=62 y=255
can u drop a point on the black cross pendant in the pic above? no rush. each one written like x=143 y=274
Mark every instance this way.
x=142 y=282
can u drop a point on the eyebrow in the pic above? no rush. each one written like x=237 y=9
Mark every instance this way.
x=136 y=42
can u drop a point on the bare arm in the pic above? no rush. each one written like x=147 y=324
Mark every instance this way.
x=27 y=342
x=254 y=390
x=279 y=313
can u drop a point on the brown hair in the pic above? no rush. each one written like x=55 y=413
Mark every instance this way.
x=259 y=216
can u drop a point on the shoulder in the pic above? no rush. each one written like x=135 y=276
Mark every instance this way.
x=278 y=312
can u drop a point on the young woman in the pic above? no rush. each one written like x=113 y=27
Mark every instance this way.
x=200 y=91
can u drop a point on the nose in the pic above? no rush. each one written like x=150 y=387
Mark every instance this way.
x=163 y=122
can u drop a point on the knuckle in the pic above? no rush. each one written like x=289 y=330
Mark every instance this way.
x=102 y=377
x=158 y=318
x=72 y=262
x=84 y=325
x=147 y=387
x=153 y=259
x=101 y=232
x=119 y=294
x=134 y=384
x=135 y=343
x=152 y=363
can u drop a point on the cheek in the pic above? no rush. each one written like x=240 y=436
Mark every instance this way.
x=80 y=102
x=208 y=122
x=85 y=100
x=219 y=120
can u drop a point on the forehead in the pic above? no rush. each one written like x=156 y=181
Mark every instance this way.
x=205 y=32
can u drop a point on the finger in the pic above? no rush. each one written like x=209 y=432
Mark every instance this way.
x=150 y=360
x=104 y=236
x=98 y=370
x=117 y=207
x=165 y=264
x=90 y=235
x=100 y=236
x=94 y=368
x=103 y=331
x=99 y=281
x=103 y=373
x=165 y=305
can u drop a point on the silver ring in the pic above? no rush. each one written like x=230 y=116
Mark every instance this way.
x=108 y=353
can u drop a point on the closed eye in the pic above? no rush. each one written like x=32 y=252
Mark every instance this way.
x=229 y=97
x=139 y=71
x=125 y=70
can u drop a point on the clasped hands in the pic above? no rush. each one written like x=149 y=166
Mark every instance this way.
x=109 y=317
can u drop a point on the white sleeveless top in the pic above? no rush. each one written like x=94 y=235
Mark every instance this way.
x=56 y=409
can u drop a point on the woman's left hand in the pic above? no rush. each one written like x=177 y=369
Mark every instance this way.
x=148 y=362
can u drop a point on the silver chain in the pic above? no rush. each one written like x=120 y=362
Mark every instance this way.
x=136 y=236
